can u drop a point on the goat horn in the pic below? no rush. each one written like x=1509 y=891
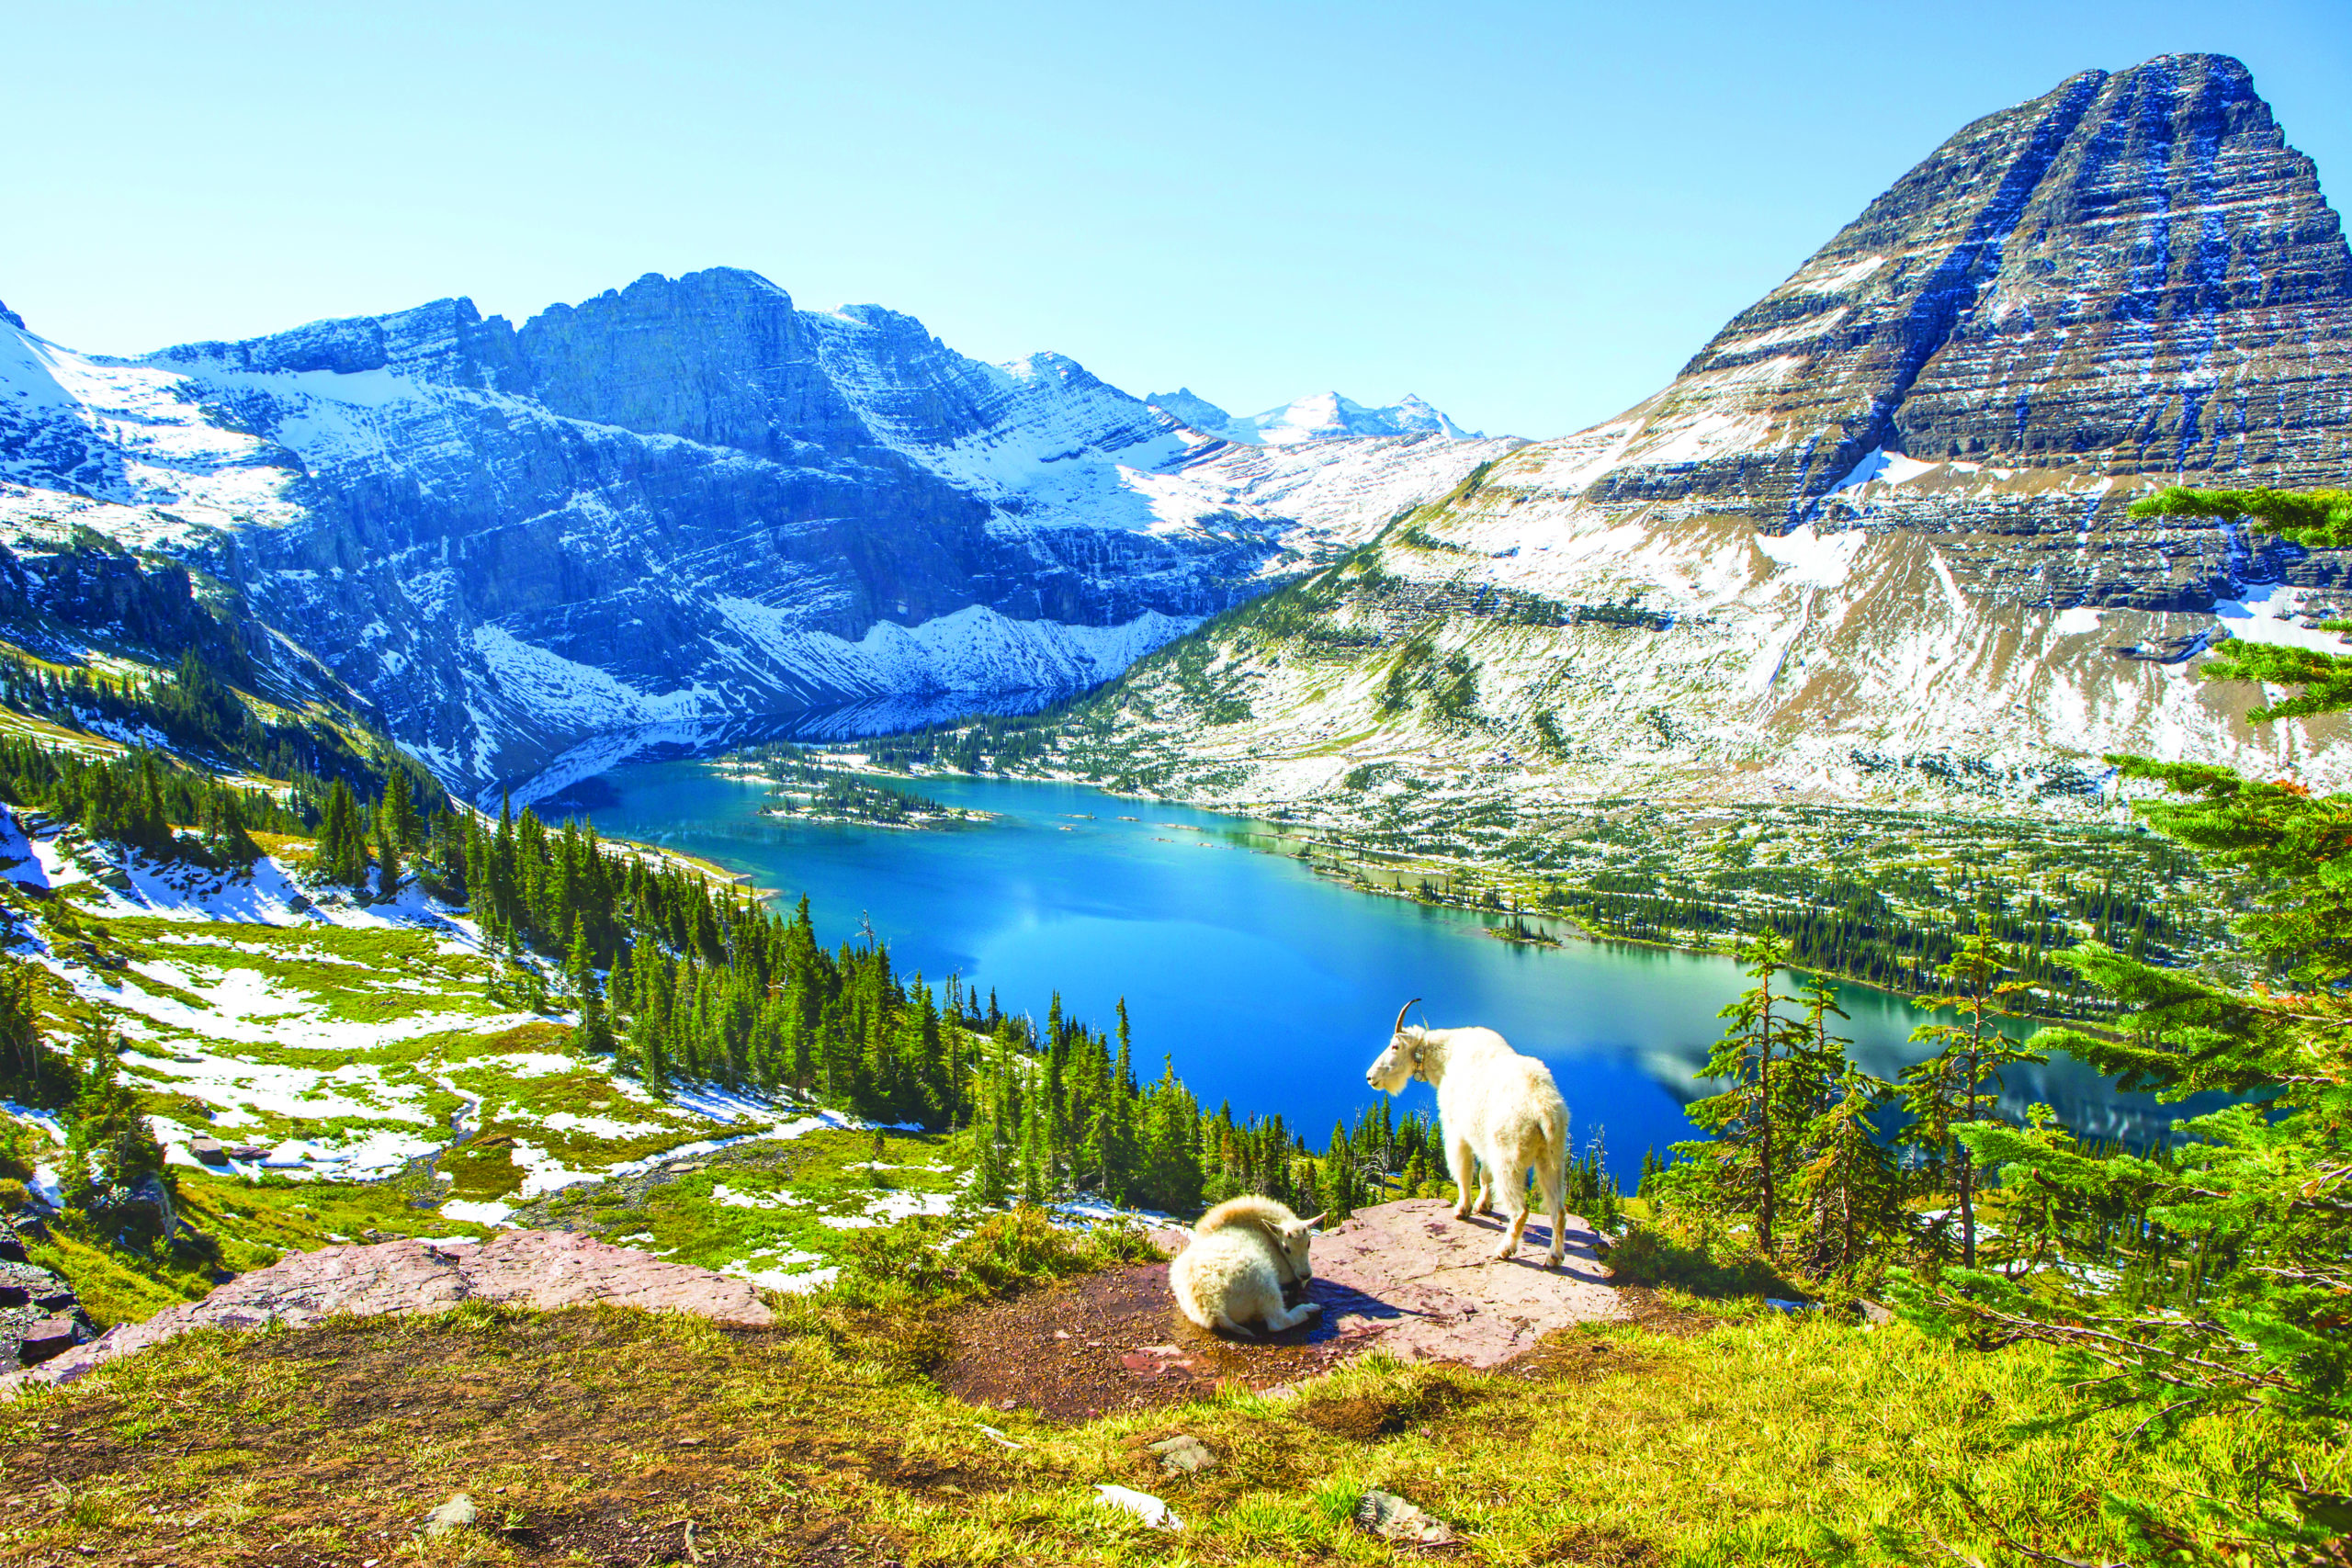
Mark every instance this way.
x=1401 y=1016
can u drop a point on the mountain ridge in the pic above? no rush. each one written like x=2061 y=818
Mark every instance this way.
x=678 y=503
x=1873 y=545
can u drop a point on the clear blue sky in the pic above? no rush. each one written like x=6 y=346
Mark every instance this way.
x=1530 y=214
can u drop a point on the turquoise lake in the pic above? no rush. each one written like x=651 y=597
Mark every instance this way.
x=1271 y=988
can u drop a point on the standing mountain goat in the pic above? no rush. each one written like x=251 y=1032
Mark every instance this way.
x=1499 y=1113
x=1241 y=1255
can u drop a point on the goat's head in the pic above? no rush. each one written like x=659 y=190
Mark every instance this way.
x=1296 y=1236
x=1402 y=1060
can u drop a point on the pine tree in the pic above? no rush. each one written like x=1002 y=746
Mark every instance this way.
x=1960 y=1085
x=341 y=857
x=29 y=1071
x=389 y=869
x=109 y=1149
x=2222 y=1291
x=1753 y=1119
x=595 y=1035
x=397 y=817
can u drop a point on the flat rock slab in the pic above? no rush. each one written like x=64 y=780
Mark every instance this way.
x=546 y=1269
x=1409 y=1277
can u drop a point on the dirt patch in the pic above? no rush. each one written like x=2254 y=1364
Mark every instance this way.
x=1648 y=1311
x=1572 y=1357
x=1114 y=1341
x=1368 y=1417
x=1599 y=1547
x=561 y=1473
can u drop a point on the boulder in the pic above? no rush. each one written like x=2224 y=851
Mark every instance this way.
x=1142 y=1504
x=1391 y=1518
x=454 y=1515
x=1413 y=1280
x=545 y=1269
x=153 y=1193
x=1183 y=1454
x=208 y=1151
x=44 y=1341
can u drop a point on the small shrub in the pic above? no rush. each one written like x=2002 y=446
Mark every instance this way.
x=1648 y=1256
x=1005 y=1254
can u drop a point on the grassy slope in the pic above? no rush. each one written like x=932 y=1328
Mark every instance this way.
x=596 y=1436
x=326 y=1032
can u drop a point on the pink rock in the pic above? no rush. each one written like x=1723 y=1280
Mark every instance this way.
x=546 y=1269
x=45 y=1341
x=1411 y=1279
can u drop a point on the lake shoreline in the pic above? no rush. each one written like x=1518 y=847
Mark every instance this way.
x=1266 y=982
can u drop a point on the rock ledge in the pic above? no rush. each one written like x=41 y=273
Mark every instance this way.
x=545 y=1269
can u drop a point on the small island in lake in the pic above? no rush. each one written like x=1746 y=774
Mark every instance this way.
x=812 y=786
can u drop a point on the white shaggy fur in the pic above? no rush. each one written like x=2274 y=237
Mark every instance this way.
x=1289 y=1234
x=1499 y=1113
x=1232 y=1272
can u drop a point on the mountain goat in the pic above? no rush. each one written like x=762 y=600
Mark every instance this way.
x=1241 y=1255
x=1499 y=1113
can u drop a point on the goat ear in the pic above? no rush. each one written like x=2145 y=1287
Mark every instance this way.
x=1317 y=1220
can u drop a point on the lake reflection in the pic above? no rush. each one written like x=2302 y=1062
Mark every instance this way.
x=1270 y=987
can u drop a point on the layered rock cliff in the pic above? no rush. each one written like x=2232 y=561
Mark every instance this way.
x=2131 y=278
x=1872 y=544
x=677 y=504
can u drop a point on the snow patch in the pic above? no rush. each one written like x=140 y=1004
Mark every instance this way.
x=2262 y=616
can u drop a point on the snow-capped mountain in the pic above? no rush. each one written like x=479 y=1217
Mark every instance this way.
x=678 y=503
x=1322 y=416
x=1872 y=544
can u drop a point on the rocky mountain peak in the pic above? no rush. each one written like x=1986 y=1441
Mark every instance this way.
x=1320 y=416
x=2091 y=281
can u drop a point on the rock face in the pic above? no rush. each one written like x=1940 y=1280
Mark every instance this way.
x=674 y=504
x=1411 y=1279
x=545 y=1269
x=40 y=1317
x=1872 y=544
x=2132 y=275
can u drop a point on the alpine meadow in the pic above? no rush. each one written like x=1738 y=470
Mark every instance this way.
x=643 y=937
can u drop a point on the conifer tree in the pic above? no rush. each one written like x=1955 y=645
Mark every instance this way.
x=396 y=818
x=1753 y=1119
x=29 y=1071
x=2224 y=1291
x=109 y=1149
x=595 y=1035
x=341 y=857
x=1960 y=1085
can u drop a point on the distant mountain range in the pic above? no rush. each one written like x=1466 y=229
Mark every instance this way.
x=1872 y=544
x=1326 y=416
x=673 y=505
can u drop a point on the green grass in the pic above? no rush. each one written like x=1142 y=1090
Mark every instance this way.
x=792 y=1187
x=341 y=971
x=596 y=1435
x=243 y=1224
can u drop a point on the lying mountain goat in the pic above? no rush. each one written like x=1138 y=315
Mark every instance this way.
x=1241 y=1255
x=1499 y=1112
